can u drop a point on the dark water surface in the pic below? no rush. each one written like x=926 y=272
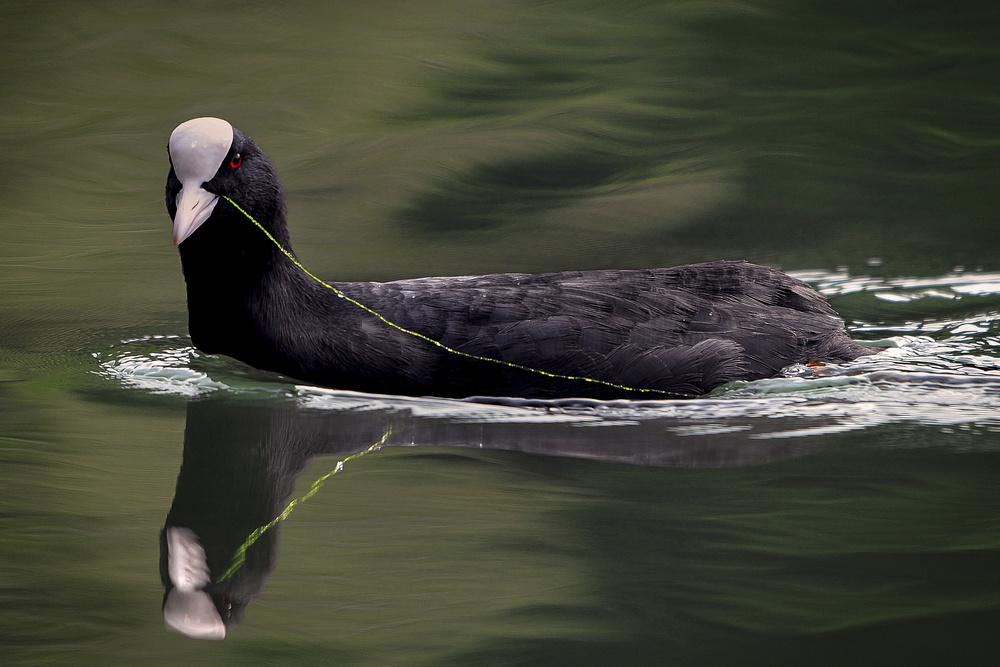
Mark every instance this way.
x=834 y=515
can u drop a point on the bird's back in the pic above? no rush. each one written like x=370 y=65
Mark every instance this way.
x=681 y=330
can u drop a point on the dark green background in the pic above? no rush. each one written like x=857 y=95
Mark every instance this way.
x=420 y=138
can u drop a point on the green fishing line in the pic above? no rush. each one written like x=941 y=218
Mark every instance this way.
x=241 y=553
x=240 y=556
x=437 y=343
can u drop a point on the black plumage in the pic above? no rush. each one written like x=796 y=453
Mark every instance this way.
x=681 y=331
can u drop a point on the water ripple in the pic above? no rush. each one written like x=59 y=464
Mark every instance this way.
x=940 y=369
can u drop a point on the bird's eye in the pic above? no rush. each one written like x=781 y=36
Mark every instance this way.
x=235 y=162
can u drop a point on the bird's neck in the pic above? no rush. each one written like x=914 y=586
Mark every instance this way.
x=240 y=287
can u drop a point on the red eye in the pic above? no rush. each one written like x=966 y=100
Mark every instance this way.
x=235 y=162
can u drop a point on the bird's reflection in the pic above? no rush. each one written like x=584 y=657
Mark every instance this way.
x=241 y=460
x=242 y=457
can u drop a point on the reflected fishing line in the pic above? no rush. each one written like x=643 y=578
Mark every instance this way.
x=438 y=343
x=241 y=553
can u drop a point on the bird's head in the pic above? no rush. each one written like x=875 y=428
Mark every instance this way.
x=209 y=161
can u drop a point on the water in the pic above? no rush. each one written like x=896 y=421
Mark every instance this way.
x=835 y=514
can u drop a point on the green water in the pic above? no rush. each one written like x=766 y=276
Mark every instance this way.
x=832 y=516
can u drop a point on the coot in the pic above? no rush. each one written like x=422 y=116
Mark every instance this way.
x=656 y=333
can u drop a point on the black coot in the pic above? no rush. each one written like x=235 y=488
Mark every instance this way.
x=680 y=331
